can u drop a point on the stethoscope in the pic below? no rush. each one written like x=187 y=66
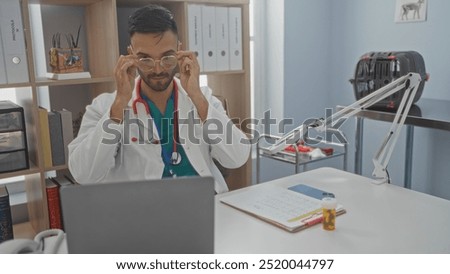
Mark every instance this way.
x=175 y=157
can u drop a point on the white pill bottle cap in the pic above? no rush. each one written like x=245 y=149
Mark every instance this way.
x=329 y=203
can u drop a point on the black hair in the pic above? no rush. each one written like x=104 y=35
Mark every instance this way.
x=152 y=19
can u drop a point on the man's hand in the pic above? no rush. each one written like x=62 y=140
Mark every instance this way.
x=190 y=80
x=125 y=74
x=189 y=71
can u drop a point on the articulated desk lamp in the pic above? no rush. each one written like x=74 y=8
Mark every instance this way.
x=409 y=82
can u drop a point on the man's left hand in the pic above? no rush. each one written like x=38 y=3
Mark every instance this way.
x=190 y=80
x=189 y=71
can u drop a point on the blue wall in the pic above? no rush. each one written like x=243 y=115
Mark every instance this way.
x=323 y=41
x=307 y=58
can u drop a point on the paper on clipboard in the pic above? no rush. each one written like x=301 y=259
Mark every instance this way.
x=279 y=206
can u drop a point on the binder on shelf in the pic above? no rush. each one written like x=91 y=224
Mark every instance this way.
x=56 y=138
x=222 y=39
x=235 y=29
x=209 y=38
x=67 y=131
x=195 y=32
x=6 y=225
x=45 y=137
x=3 y=79
x=13 y=39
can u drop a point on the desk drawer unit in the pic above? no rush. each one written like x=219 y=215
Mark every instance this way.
x=13 y=138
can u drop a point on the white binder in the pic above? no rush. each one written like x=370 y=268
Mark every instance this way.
x=3 y=79
x=222 y=41
x=209 y=38
x=195 y=32
x=13 y=41
x=235 y=29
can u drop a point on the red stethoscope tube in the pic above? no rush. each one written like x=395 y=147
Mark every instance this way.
x=175 y=158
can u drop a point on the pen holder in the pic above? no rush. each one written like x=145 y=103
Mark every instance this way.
x=66 y=60
x=329 y=213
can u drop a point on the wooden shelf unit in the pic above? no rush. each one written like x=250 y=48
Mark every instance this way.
x=100 y=25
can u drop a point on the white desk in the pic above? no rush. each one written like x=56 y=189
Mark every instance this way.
x=379 y=219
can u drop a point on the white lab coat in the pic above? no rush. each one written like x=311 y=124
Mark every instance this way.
x=94 y=161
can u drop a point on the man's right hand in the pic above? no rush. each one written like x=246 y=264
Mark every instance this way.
x=125 y=74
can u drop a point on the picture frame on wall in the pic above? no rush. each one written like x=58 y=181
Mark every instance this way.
x=407 y=11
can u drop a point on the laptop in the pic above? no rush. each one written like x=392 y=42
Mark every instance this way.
x=163 y=216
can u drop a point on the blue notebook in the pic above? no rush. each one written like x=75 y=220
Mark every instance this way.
x=311 y=191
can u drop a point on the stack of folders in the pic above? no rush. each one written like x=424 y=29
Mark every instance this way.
x=215 y=35
x=13 y=57
x=56 y=134
x=292 y=209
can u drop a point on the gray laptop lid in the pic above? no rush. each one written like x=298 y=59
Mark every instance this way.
x=161 y=216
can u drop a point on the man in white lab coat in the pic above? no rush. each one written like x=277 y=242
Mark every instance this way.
x=156 y=125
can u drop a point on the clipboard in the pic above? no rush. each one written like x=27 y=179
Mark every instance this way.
x=290 y=210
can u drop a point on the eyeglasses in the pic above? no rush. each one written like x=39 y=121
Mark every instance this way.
x=167 y=63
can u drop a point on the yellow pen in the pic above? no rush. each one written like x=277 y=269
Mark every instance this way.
x=305 y=215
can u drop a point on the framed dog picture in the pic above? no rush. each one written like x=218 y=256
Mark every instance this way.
x=410 y=11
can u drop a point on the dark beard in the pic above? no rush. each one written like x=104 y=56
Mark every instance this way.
x=161 y=84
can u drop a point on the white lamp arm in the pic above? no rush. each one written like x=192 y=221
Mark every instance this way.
x=410 y=82
x=383 y=155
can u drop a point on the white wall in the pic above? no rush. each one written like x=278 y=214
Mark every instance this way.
x=270 y=65
x=274 y=65
x=307 y=58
